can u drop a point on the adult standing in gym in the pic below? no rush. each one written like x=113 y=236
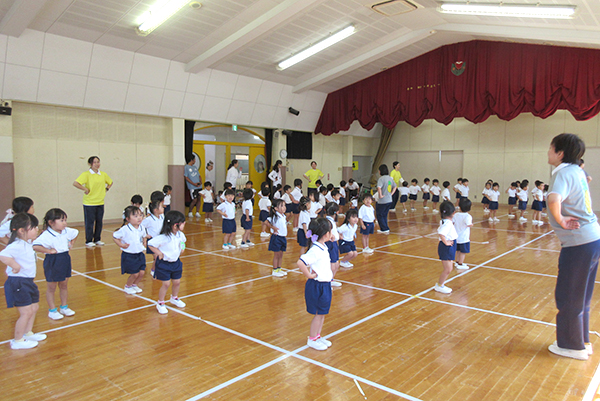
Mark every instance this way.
x=313 y=175
x=194 y=183
x=385 y=189
x=397 y=177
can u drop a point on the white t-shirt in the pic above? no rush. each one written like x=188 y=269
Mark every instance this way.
x=328 y=197
x=458 y=187
x=228 y=208
x=461 y=223
x=322 y=200
x=247 y=205
x=404 y=191
x=425 y=188
x=297 y=194
x=493 y=195
x=51 y=239
x=354 y=202
x=5 y=229
x=207 y=195
x=304 y=218
x=275 y=176
x=413 y=189
x=464 y=191
x=447 y=229
x=279 y=223
x=335 y=236
x=317 y=258
x=342 y=192
x=511 y=192
x=486 y=191
x=315 y=207
x=446 y=194
x=233 y=174
x=153 y=224
x=352 y=187
x=347 y=231
x=167 y=200
x=264 y=204
x=22 y=252
x=522 y=194
x=128 y=234
x=286 y=198
x=435 y=190
x=277 y=195
x=171 y=245
x=537 y=194
x=366 y=214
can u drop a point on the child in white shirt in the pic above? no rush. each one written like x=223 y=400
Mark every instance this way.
x=463 y=222
x=512 y=199
x=446 y=246
x=264 y=204
x=208 y=198
x=413 y=190
x=445 y=196
x=493 y=196
x=435 y=194
x=425 y=188
x=227 y=211
x=131 y=238
x=347 y=232
x=278 y=242
x=366 y=218
x=404 y=192
x=246 y=219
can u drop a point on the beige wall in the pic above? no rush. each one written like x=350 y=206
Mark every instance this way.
x=51 y=146
x=504 y=151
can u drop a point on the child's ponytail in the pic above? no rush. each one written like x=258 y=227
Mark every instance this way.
x=446 y=209
x=172 y=218
x=273 y=212
x=21 y=220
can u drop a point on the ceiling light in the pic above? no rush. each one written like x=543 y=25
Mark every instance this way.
x=509 y=10
x=317 y=47
x=161 y=12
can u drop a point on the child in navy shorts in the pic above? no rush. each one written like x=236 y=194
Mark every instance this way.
x=19 y=289
x=264 y=204
x=168 y=246
x=303 y=223
x=366 y=217
x=246 y=219
x=55 y=242
x=331 y=210
x=347 y=232
x=316 y=266
x=447 y=245
x=131 y=238
x=227 y=210
x=278 y=242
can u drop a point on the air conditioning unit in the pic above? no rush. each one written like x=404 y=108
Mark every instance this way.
x=390 y=8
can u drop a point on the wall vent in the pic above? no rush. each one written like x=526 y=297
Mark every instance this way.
x=394 y=7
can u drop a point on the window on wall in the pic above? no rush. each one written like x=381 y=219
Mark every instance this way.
x=299 y=145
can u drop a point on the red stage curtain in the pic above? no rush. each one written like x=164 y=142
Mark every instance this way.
x=504 y=79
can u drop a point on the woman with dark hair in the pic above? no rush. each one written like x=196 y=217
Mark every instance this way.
x=386 y=187
x=397 y=177
x=313 y=175
x=574 y=222
x=94 y=184
x=233 y=174
x=275 y=174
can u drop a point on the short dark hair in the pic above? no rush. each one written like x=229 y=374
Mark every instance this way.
x=247 y=194
x=265 y=191
x=188 y=159
x=394 y=164
x=383 y=169
x=435 y=180
x=91 y=159
x=404 y=183
x=21 y=204
x=229 y=191
x=207 y=184
x=137 y=199
x=446 y=209
x=464 y=204
x=297 y=182
x=571 y=145
x=167 y=188
x=446 y=184
x=464 y=180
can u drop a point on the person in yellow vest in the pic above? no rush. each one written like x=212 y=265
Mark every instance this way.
x=312 y=176
x=397 y=177
x=94 y=184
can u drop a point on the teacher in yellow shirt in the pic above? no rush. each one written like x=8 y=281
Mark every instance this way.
x=94 y=184
x=397 y=177
x=312 y=176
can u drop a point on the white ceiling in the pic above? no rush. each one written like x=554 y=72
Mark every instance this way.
x=249 y=37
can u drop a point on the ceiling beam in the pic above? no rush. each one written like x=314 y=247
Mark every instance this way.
x=360 y=58
x=20 y=15
x=271 y=19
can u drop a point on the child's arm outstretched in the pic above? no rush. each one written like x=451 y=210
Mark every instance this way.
x=304 y=269
x=10 y=262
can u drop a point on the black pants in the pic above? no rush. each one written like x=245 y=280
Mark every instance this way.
x=92 y=216
x=395 y=198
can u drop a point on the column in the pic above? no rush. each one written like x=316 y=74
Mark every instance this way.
x=177 y=165
x=7 y=170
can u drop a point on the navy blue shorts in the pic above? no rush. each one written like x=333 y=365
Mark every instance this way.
x=493 y=205
x=403 y=198
x=334 y=251
x=317 y=295
x=292 y=207
x=167 y=208
x=246 y=225
x=57 y=267
x=346 y=246
x=148 y=250
x=20 y=291
x=464 y=248
x=446 y=252
x=277 y=243
x=485 y=201
x=263 y=216
x=229 y=226
x=543 y=204
x=426 y=195
x=412 y=197
x=512 y=200
x=435 y=198
x=207 y=207
x=301 y=237
x=369 y=228
x=342 y=201
x=166 y=271
x=132 y=263
x=537 y=205
x=458 y=195
x=522 y=205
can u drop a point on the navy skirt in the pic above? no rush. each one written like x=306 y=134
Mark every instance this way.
x=334 y=252
x=57 y=267
x=263 y=216
x=246 y=225
x=446 y=252
x=277 y=243
x=301 y=237
x=229 y=226
x=435 y=198
x=426 y=195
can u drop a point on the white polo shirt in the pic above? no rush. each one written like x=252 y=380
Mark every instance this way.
x=446 y=194
x=425 y=188
x=153 y=224
x=297 y=194
x=335 y=236
x=207 y=196
x=347 y=232
x=447 y=229
x=280 y=223
x=522 y=195
x=461 y=223
x=304 y=218
x=286 y=198
x=414 y=189
x=128 y=234
x=51 y=239
x=464 y=191
x=229 y=209
x=366 y=214
x=317 y=258
x=171 y=245
x=247 y=205
x=435 y=190
x=22 y=252
x=264 y=204
x=315 y=207
x=493 y=195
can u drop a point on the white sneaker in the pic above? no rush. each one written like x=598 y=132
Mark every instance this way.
x=336 y=284
x=367 y=250
x=210 y=220
x=295 y=229
x=589 y=349
x=486 y=211
x=347 y=265
x=442 y=288
x=511 y=216
x=129 y=290
x=162 y=309
x=496 y=219
x=534 y=222
x=435 y=211
x=207 y=220
x=316 y=344
x=190 y=214
x=177 y=302
x=462 y=267
x=226 y=247
x=426 y=208
x=99 y=243
x=289 y=223
x=35 y=337
x=137 y=289
x=324 y=341
x=413 y=209
x=491 y=220
x=198 y=215
x=66 y=311
x=264 y=234
x=56 y=315
x=278 y=273
x=544 y=214
x=522 y=219
x=244 y=245
x=283 y=271
x=392 y=210
x=581 y=354
x=249 y=243
x=27 y=344
x=231 y=246
x=540 y=223
x=90 y=244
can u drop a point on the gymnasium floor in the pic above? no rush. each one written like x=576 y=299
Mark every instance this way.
x=243 y=333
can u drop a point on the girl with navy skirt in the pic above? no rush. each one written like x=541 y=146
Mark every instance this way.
x=227 y=210
x=347 y=231
x=264 y=204
x=447 y=245
x=331 y=210
x=316 y=266
x=246 y=219
x=303 y=223
x=278 y=243
x=131 y=238
x=153 y=224
x=55 y=242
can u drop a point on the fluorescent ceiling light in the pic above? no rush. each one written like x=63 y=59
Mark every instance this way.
x=317 y=47
x=509 y=10
x=161 y=12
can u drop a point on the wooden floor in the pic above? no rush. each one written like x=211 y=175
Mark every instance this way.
x=243 y=333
